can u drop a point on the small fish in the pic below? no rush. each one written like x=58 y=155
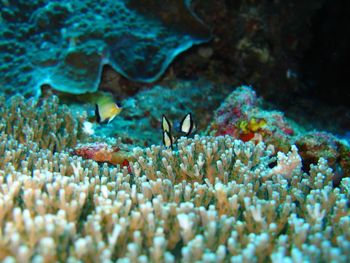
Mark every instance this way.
x=186 y=127
x=106 y=112
x=106 y=109
x=167 y=137
x=187 y=124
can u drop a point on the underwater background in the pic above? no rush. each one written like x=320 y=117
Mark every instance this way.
x=174 y=131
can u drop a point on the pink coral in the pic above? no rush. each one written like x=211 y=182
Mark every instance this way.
x=241 y=110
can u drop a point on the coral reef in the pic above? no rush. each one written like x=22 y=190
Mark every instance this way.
x=212 y=199
x=242 y=115
x=314 y=145
x=252 y=186
x=44 y=123
x=267 y=45
x=65 y=44
x=140 y=121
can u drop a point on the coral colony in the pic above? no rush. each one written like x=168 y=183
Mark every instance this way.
x=213 y=199
x=66 y=43
x=243 y=184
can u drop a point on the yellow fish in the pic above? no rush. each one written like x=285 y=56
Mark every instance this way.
x=106 y=112
x=106 y=109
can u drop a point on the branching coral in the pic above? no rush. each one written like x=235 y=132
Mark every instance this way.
x=214 y=199
x=44 y=123
x=104 y=213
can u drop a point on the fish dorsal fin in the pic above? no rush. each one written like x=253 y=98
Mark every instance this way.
x=166 y=125
x=186 y=125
